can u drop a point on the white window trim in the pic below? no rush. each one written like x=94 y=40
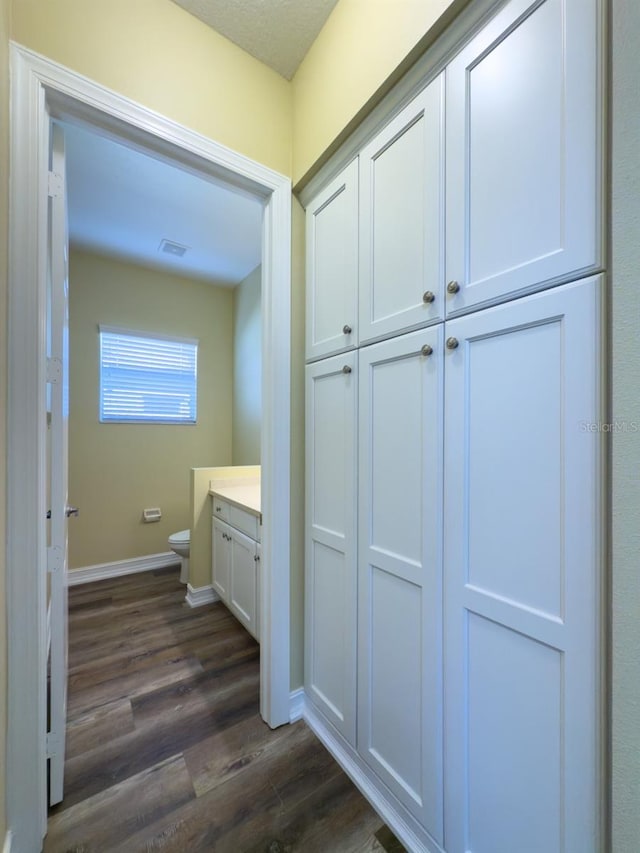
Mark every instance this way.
x=145 y=333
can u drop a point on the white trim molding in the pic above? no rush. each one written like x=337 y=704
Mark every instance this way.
x=392 y=812
x=296 y=705
x=43 y=91
x=392 y=101
x=48 y=629
x=6 y=847
x=104 y=571
x=198 y=595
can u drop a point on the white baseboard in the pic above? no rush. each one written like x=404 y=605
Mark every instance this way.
x=199 y=595
x=296 y=705
x=104 y=571
x=401 y=823
x=6 y=847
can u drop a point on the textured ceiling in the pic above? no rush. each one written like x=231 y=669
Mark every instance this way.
x=124 y=203
x=277 y=32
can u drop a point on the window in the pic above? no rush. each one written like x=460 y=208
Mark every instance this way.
x=147 y=378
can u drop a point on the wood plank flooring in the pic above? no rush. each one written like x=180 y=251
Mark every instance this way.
x=166 y=750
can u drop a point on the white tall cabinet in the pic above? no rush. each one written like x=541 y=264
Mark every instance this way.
x=522 y=556
x=523 y=195
x=332 y=267
x=401 y=220
x=400 y=569
x=454 y=577
x=330 y=612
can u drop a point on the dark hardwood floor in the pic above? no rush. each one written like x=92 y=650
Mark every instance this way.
x=166 y=750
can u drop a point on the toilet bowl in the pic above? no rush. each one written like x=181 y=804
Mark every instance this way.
x=179 y=543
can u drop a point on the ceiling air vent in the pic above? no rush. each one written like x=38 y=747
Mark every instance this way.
x=171 y=248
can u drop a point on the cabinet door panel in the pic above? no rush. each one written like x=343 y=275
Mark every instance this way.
x=523 y=575
x=243 y=580
x=221 y=556
x=402 y=219
x=399 y=569
x=330 y=578
x=522 y=168
x=258 y=631
x=332 y=266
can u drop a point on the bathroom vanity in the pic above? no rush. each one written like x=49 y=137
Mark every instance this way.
x=235 y=548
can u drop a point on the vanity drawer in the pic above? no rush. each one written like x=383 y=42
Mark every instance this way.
x=244 y=521
x=220 y=508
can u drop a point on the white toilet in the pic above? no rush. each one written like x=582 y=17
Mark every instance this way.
x=179 y=542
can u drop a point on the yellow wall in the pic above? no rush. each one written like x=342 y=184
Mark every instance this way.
x=115 y=470
x=625 y=395
x=4 y=214
x=361 y=44
x=247 y=369
x=157 y=54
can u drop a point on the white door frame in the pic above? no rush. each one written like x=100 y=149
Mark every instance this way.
x=41 y=89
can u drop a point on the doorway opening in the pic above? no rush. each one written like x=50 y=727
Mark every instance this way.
x=44 y=92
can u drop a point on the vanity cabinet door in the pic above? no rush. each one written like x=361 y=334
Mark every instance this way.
x=244 y=561
x=258 y=590
x=221 y=558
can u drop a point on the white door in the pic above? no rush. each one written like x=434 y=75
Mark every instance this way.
x=402 y=220
x=523 y=176
x=523 y=576
x=332 y=266
x=221 y=558
x=330 y=578
x=244 y=563
x=400 y=569
x=58 y=379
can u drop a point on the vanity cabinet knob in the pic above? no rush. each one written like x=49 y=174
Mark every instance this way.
x=452 y=343
x=428 y=297
x=453 y=287
x=346 y=329
x=426 y=349
x=346 y=369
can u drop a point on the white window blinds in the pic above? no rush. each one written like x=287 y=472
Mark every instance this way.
x=147 y=378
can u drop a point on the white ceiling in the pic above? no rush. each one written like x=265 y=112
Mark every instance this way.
x=124 y=203
x=277 y=32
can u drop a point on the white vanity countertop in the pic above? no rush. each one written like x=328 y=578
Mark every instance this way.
x=244 y=494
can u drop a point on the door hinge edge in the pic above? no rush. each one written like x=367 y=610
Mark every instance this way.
x=54 y=185
x=54 y=559
x=52 y=744
x=54 y=370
